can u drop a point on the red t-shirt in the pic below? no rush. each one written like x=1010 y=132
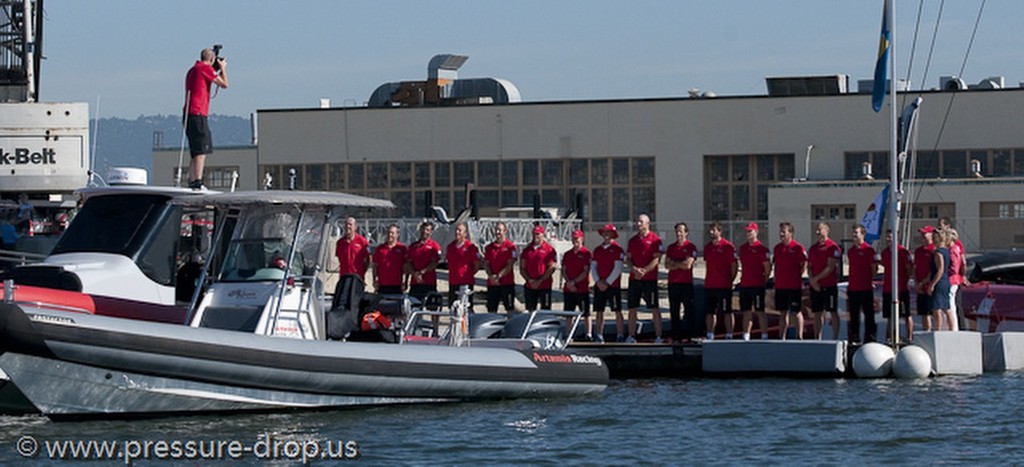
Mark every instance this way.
x=642 y=250
x=818 y=257
x=923 y=257
x=718 y=261
x=422 y=253
x=498 y=257
x=861 y=259
x=605 y=257
x=789 y=264
x=461 y=262
x=680 y=253
x=752 y=259
x=197 y=85
x=536 y=260
x=352 y=255
x=573 y=264
x=903 y=262
x=390 y=260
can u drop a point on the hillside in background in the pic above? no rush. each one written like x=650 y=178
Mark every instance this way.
x=129 y=143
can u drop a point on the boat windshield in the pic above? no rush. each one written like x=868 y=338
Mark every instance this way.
x=257 y=259
x=113 y=224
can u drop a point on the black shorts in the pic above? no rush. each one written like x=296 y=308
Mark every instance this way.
x=924 y=304
x=501 y=294
x=389 y=290
x=826 y=299
x=904 y=304
x=860 y=300
x=576 y=301
x=718 y=300
x=680 y=295
x=421 y=291
x=642 y=290
x=751 y=298
x=788 y=300
x=197 y=129
x=537 y=298
x=610 y=298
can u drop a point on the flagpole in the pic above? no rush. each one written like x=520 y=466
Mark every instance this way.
x=895 y=194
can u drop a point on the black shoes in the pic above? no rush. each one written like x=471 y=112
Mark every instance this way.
x=196 y=185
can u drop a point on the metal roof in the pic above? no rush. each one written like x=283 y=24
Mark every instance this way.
x=304 y=198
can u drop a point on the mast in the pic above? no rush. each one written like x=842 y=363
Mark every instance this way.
x=895 y=193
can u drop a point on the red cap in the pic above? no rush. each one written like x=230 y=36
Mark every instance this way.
x=538 y=229
x=577 y=233
x=610 y=228
x=752 y=226
x=926 y=229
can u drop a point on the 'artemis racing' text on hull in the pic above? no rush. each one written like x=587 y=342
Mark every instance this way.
x=24 y=156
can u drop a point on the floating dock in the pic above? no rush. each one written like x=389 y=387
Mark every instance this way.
x=952 y=353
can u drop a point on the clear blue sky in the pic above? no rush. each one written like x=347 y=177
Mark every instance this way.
x=131 y=56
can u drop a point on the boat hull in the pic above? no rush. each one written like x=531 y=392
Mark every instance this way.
x=115 y=366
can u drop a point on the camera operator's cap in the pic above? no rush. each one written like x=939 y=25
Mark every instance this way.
x=927 y=229
x=752 y=226
x=610 y=229
x=538 y=229
x=577 y=233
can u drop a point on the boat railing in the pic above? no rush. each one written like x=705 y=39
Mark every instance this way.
x=11 y=258
x=308 y=306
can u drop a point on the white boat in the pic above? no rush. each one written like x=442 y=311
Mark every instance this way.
x=258 y=336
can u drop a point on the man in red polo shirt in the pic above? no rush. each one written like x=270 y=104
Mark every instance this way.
x=860 y=297
x=721 y=268
x=606 y=267
x=756 y=264
x=679 y=259
x=823 y=260
x=903 y=264
x=957 y=270
x=198 y=81
x=538 y=264
x=463 y=262
x=421 y=263
x=389 y=264
x=499 y=263
x=576 y=281
x=790 y=260
x=643 y=255
x=352 y=251
x=923 y=258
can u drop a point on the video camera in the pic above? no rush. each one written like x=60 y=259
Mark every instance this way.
x=217 y=57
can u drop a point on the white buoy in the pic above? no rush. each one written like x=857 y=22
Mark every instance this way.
x=912 y=362
x=873 y=360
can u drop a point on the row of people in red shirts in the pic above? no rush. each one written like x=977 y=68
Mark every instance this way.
x=399 y=269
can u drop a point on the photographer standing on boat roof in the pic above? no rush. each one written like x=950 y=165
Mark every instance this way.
x=209 y=69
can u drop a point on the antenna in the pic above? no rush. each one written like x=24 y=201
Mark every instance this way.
x=807 y=162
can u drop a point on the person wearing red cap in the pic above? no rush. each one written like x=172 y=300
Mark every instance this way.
x=756 y=266
x=643 y=255
x=860 y=289
x=576 y=281
x=720 y=261
x=352 y=251
x=903 y=264
x=538 y=263
x=463 y=262
x=823 y=260
x=389 y=264
x=923 y=258
x=790 y=260
x=499 y=263
x=606 y=269
x=679 y=259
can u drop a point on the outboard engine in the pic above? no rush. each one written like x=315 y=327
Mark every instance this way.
x=486 y=325
x=547 y=329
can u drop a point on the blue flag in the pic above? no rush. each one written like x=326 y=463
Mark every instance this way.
x=874 y=218
x=878 y=90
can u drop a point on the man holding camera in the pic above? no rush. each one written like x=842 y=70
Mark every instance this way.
x=209 y=69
